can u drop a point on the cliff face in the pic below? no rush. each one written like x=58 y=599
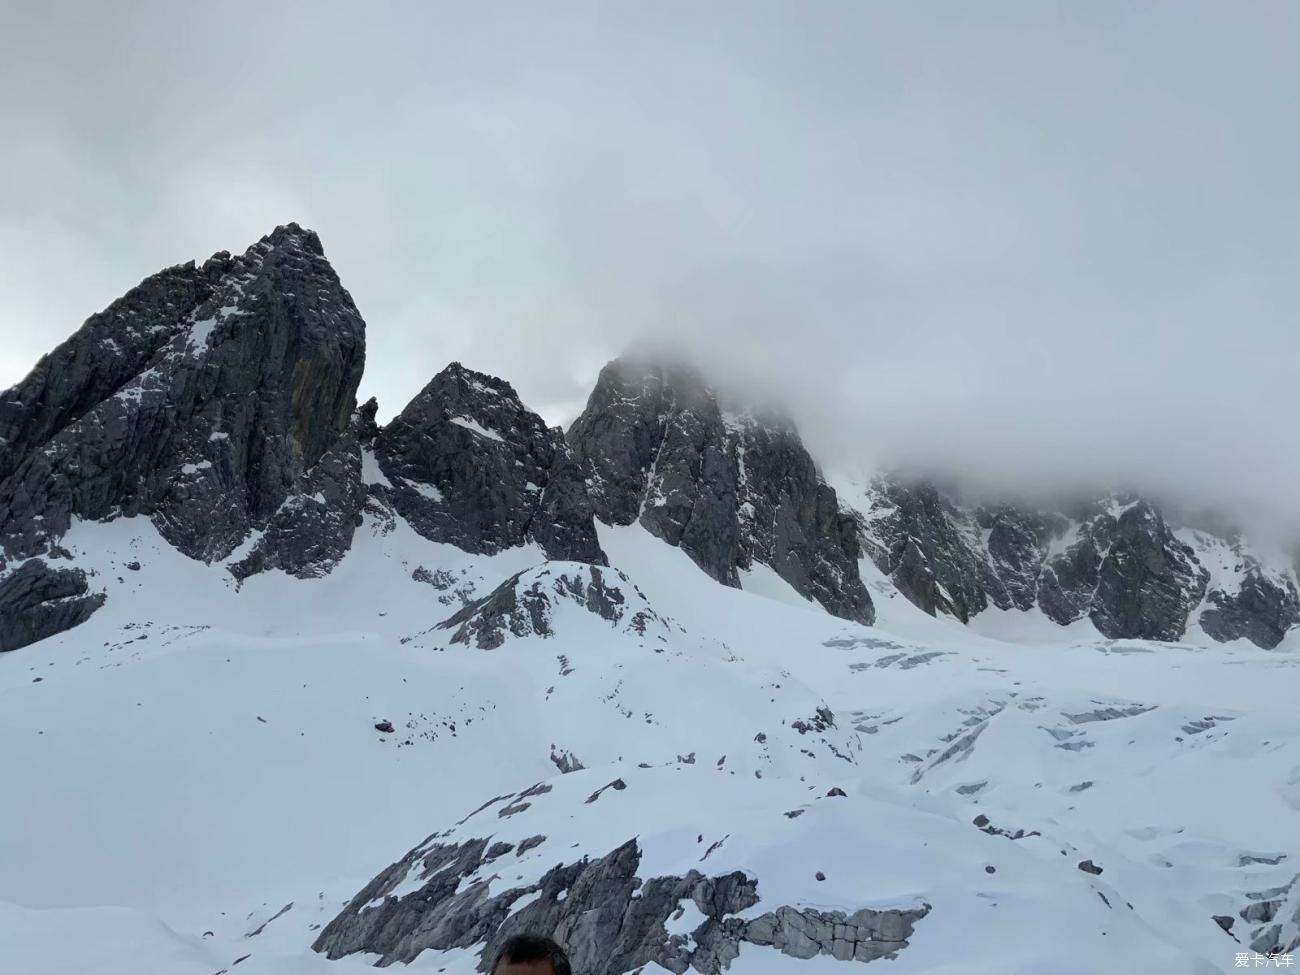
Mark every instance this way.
x=1117 y=561
x=200 y=400
x=471 y=466
x=729 y=489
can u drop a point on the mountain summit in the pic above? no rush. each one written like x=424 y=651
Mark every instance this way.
x=727 y=488
x=199 y=399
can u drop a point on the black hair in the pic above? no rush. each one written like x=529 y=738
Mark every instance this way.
x=526 y=948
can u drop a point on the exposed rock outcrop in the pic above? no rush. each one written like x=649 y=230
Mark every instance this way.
x=729 y=489
x=1148 y=583
x=473 y=467
x=525 y=605
x=932 y=551
x=38 y=600
x=609 y=919
x=1262 y=610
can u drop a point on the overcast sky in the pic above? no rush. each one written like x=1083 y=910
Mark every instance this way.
x=1034 y=240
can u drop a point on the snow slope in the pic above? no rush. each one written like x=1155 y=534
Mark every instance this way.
x=200 y=755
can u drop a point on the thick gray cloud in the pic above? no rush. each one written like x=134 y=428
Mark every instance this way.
x=1036 y=241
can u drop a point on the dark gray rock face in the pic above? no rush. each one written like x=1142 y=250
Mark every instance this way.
x=609 y=919
x=312 y=529
x=1262 y=610
x=729 y=490
x=524 y=605
x=1015 y=541
x=215 y=410
x=1147 y=584
x=38 y=600
x=473 y=467
x=200 y=399
x=1070 y=578
x=1115 y=561
x=1127 y=572
x=931 y=551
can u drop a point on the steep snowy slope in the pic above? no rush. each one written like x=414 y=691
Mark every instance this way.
x=219 y=759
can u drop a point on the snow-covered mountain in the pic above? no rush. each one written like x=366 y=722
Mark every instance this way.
x=653 y=685
x=1119 y=561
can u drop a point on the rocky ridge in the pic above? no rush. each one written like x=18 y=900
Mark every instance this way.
x=219 y=401
x=1116 y=561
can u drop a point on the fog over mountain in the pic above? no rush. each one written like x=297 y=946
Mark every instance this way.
x=1041 y=245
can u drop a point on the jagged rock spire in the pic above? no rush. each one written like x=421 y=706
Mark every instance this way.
x=470 y=465
x=199 y=399
x=729 y=488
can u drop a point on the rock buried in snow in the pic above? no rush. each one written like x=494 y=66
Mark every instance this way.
x=565 y=761
x=618 y=785
x=384 y=726
x=985 y=826
x=822 y=719
x=836 y=791
x=1087 y=866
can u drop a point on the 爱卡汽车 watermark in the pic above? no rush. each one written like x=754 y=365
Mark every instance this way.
x=1253 y=959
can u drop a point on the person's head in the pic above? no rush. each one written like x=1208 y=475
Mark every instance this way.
x=531 y=954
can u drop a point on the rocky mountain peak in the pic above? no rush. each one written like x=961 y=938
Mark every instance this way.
x=728 y=489
x=291 y=236
x=200 y=399
x=471 y=465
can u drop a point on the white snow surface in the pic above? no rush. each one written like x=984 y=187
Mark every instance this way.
x=472 y=425
x=199 y=755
